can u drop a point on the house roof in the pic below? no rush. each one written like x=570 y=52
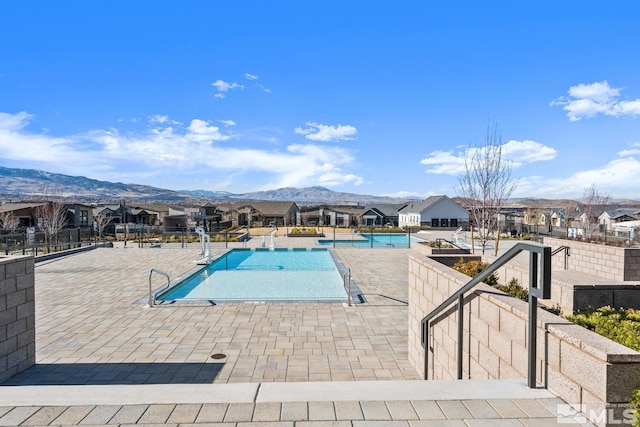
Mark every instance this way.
x=385 y=209
x=11 y=207
x=267 y=208
x=422 y=205
x=631 y=212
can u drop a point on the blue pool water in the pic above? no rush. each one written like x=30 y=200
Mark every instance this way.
x=375 y=240
x=264 y=275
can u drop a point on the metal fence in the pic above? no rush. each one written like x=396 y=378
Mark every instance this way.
x=31 y=242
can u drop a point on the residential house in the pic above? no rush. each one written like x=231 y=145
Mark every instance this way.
x=260 y=214
x=79 y=215
x=27 y=213
x=326 y=215
x=265 y=214
x=381 y=214
x=614 y=215
x=209 y=216
x=434 y=211
x=176 y=220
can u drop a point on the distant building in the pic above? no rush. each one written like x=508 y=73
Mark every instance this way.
x=434 y=211
x=615 y=215
x=381 y=214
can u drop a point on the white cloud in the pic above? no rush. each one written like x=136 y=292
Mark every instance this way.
x=201 y=131
x=224 y=87
x=599 y=92
x=251 y=76
x=162 y=119
x=524 y=152
x=589 y=100
x=18 y=143
x=227 y=122
x=326 y=133
x=518 y=153
x=164 y=153
x=264 y=89
x=618 y=177
x=634 y=151
x=444 y=162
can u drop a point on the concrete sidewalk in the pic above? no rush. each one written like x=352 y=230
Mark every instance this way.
x=366 y=403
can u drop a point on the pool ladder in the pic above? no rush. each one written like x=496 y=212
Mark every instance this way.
x=152 y=298
x=346 y=281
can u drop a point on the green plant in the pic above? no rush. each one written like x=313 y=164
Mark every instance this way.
x=304 y=230
x=634 y=404
x=619 y=325
x=514 y=289
x=473 y=268
x=435 y=245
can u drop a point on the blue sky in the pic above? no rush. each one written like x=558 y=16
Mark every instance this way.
x=368 y=97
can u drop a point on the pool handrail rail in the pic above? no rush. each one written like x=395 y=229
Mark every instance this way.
x=152 y=296
x=347 y=284
x=205 y=250
x=270 y=233
x=537 y=289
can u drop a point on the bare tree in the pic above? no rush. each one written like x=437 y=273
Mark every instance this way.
x=486 y=184
x=52 y=216
x=101 y=220
x=594 y=202
x=9 y=221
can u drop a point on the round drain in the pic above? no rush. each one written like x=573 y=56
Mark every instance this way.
x=218 y=356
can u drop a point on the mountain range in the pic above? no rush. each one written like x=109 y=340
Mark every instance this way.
x=31 y=184
x=26 y=184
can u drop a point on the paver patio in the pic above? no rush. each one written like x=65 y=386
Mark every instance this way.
x=92 y=329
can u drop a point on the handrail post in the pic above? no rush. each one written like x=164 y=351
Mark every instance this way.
x=460 y=333
x=533 y=321
x=151 y=301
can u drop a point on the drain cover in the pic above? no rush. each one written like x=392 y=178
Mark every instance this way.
x=218 y=356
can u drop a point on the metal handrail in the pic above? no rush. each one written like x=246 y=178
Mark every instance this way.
x=152 y=298
x=272 y=243
x=439 y=241
x=536 y=290
x=347 y=284
x=567 y=254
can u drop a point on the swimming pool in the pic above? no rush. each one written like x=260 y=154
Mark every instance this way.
x=264 y=275
x=375 y=240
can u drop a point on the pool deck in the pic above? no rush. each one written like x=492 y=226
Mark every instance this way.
x=94 y=339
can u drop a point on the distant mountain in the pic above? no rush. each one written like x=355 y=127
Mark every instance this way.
x=207 y=193
x=316 y=195
x=30 y=183
x=24 y=184
x=543 y=203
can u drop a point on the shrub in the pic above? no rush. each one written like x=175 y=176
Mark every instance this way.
x=303 y=230
x=634 y=403
x=515 y=290
x=473 y=268
x=622 y=326
x=443 y=245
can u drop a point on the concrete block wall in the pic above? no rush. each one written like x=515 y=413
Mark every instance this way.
x=17 y=315
x=578 y=365
x=608 y=262
x=569 y=297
